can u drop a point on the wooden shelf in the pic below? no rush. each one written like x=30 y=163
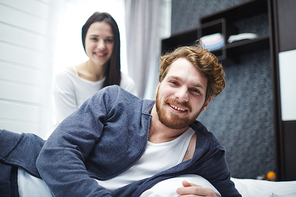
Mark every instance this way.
x=246 y=46
x=187 y=38
x=241 y=47
x=223 y=22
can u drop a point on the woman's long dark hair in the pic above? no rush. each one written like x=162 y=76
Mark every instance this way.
x=112 y=73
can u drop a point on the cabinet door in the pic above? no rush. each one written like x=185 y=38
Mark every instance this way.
x=286 y=17
x=286 y=24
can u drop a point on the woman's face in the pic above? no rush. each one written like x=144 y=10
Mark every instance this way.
x=99 y=42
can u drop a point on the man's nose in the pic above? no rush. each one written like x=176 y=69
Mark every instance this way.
x=182 y=94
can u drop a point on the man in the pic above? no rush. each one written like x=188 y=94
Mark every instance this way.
x=116 y=144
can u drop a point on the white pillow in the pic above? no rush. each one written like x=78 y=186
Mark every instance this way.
x=168 y=187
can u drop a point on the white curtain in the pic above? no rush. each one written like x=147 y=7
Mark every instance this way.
x=142 y=19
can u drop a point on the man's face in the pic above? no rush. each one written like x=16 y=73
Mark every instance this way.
x=181 y=95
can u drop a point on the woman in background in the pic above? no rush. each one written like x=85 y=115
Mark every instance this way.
x=101 y=42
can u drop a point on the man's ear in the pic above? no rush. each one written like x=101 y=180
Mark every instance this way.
x=206 y=104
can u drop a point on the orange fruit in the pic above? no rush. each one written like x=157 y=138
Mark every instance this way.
x=271 y=176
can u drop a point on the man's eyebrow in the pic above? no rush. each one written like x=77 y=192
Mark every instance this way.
x=194 y=84
x=175 y=77
x=198 y=85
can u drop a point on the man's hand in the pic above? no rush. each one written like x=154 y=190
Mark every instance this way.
x=191 y=189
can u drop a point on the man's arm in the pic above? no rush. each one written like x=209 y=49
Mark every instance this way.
x=61 y=162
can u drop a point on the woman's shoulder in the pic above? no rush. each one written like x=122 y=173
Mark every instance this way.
x=64 y=75
x=71 y=69
x=65 y=80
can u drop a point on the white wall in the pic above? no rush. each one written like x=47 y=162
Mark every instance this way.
x=25 y=65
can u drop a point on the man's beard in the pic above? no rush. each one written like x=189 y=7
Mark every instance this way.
x=172 y=120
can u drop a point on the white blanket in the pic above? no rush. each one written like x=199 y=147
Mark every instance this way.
x=30 y=186
x=263 y=188
x=246 y=187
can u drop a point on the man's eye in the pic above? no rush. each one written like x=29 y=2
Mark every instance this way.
x=195 y=90
x=174 y=83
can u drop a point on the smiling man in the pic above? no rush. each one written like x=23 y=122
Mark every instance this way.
x=183 y=94
x=116 y=144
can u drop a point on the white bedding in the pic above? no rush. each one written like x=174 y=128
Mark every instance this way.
x=246 y=187
x=30 y=186
x=167 y=188
x=263 y=188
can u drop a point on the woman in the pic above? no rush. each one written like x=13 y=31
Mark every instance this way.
x=101 y=42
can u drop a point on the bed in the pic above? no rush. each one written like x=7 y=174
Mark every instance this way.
x=246 y=187
x=263 y=188
x=167 y=188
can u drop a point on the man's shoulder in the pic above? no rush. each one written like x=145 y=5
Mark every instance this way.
x=115 y=90
x=199 y=127
x=115 y=94
x=202 y=132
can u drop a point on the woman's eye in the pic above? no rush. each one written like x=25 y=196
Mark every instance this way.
x=109 y=41
x=94 y=39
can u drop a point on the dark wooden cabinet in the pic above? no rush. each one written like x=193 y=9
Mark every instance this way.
x=284 y=27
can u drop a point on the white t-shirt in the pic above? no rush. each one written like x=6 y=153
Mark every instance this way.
x=156 y=158
x=70 y=91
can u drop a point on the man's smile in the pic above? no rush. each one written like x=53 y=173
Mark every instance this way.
x=177 y=108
